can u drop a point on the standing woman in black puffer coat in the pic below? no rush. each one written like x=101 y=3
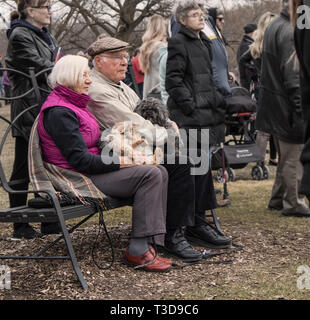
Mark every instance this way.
x=30 y=45
x=194 y=102
x=302 y=45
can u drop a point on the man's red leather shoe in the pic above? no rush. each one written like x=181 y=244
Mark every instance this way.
x=158 y=256
x=149 y=262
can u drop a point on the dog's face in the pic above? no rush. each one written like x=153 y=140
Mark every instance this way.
x=125 y=127
x=154 y=110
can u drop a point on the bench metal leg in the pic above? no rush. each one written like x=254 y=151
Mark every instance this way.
x=66 y=236
x=216 y=222
x=72 y=253
x=40 y=253
x=72 y=257
x=212 y=150
x=68 y=243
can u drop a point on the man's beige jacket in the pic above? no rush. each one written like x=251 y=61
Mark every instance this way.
x=112 y=103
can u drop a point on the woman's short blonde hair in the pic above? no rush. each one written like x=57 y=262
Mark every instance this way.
x=68 y=71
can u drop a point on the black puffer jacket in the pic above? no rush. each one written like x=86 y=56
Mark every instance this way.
x=279 y=112
x=28 y=47
x=194 y=101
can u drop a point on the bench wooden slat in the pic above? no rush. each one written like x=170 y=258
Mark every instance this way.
x=29 y=214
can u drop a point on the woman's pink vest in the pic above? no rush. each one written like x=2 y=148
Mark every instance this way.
x=64 y=97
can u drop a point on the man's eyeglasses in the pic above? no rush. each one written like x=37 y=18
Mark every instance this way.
x=117 y=57
x=48 y=8
x=196 y=15
x=220 y=19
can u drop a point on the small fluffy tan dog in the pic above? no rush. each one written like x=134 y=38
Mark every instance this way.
x=125 y=140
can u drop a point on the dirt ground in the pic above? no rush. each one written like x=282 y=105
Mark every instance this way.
x=233 y=275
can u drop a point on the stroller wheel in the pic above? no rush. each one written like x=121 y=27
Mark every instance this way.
x=231 y=174
x=220 y=178
x=257 y=173
x=266 y=172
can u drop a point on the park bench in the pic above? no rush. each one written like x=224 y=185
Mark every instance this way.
x=54 y=212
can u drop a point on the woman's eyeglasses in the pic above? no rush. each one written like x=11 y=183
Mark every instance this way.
x=48 y=8
x=220 y=19
x=197 y=15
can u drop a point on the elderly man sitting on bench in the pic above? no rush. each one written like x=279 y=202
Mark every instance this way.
x=112 y=101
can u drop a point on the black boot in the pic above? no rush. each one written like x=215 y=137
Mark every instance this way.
x=177 y=245
x=24 y=230
x=203 y=234
x=50 y=228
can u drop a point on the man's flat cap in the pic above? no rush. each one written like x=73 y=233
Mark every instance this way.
x=107 y=44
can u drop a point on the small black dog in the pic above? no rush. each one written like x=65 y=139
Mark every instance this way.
x=154 y=110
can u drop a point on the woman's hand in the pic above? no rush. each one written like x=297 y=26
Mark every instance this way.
x=126 y=162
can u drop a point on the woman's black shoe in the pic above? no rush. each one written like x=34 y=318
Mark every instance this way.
x=24 y=230
x=50 y=228
x=177 y=245
x=273 y=163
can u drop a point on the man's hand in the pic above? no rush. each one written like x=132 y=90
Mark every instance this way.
x=175 y=126
x=232 y=77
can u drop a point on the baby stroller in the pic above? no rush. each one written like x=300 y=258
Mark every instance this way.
x=239 y=148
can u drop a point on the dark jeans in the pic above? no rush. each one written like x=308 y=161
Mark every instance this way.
x=7 y=93
x=273 y=148
x=140 y=87
x=20 y=172
x=181 y=196
x=188 y=194
x=204 y=183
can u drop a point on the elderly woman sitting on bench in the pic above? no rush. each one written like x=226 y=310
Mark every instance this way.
x=69 y=136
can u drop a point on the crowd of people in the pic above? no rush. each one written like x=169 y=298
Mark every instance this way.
x=183 y=63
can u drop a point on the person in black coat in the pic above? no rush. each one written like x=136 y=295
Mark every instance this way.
x=194 y=101
x=252 y=61
x=30 y=45
x=302 y=45
x=279 y=113
x=245 y=72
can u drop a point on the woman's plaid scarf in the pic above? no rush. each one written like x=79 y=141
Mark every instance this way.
x=65 y=183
